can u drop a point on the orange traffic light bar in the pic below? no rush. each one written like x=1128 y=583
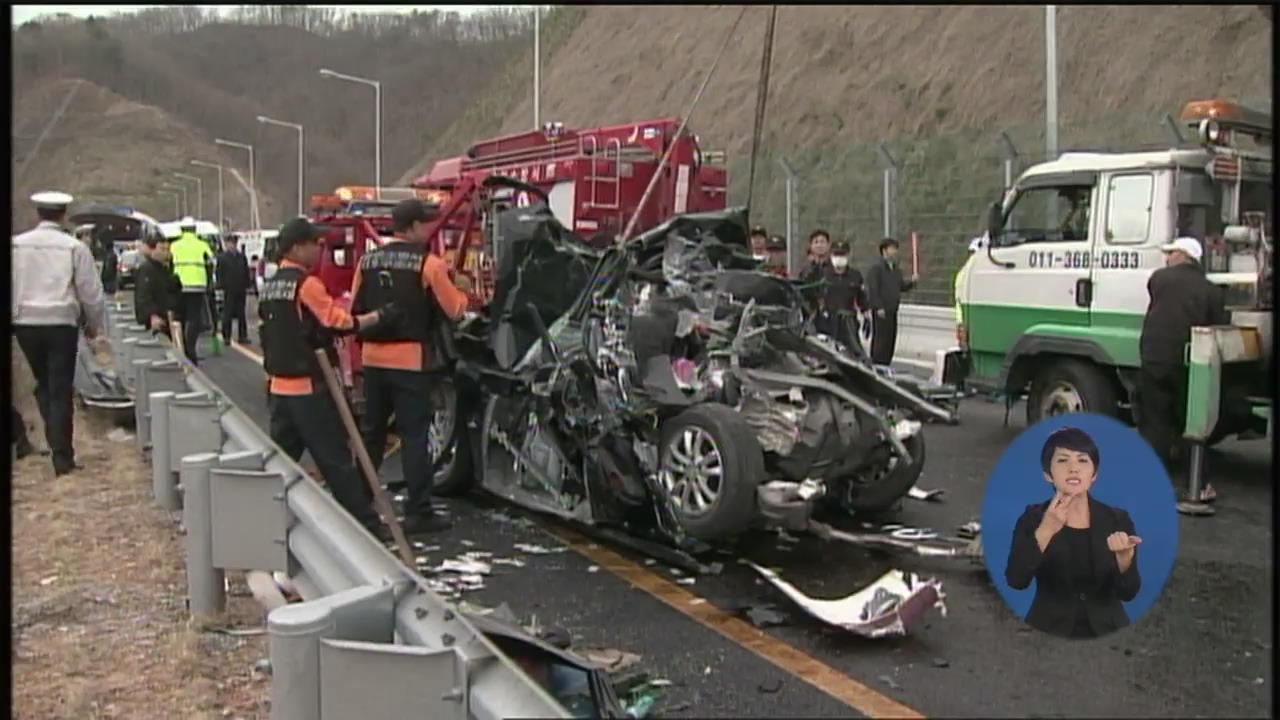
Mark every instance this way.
x=1228 y=115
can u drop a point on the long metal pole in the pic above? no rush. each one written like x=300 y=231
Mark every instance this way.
x=199 y=191
x=177 y=211
x=537 y=68
x=300 y=149
x=253 y=194
x=671 y=142
x=1051 y=81
x=222 y=218
x=377 y=139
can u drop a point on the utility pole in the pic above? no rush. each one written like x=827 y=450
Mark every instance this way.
x=295 y=126
x=221 y=215
x=377 y=121
x=177 y=210
x=1051 y=82
x=199 y=192
x=254 y=217
x=537 y=67
x=182 y=189
x=790 y=189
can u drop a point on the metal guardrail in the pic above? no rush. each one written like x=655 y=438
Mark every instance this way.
x=370 y=640
x=923 y=331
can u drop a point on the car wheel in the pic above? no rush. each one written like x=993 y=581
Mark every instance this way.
x=877 y=489
x=447 y=439
x=1068 y=386
x=711 y=465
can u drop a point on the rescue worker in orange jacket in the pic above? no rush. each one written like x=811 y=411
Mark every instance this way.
x=299 y=317
x=399 y=356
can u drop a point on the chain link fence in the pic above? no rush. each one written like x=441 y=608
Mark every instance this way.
x=938 y=188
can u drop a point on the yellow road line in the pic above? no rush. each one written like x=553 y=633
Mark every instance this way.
x=809 y=669
x=815 y=672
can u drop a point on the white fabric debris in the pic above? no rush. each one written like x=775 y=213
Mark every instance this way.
x=885 y=607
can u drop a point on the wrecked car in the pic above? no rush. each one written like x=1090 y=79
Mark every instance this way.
x=666 y=388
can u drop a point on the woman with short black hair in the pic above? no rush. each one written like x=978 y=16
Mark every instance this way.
x=1082 y=553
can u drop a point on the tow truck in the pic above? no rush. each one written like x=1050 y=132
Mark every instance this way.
x=1054 y=305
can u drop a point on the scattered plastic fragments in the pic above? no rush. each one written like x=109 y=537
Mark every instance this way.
x=468 y=543
x=538 y=549
x=686 y=581
x=119 y=435
x=764 y=616
x=885 y=607
x=464 y=566
x=917 y=493
x=593 y=568
x=890 y=682
x=660 y=682
x=611 y=659
x=49 y=580
x=971 y=529
x=513 y=562
x=642 y=706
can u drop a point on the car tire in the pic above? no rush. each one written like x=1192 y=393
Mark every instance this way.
x=715 y=428
x=455 y=477
x=1075 y=382
x=884 y=492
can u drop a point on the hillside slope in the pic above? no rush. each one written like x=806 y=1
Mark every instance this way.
x=110 y=149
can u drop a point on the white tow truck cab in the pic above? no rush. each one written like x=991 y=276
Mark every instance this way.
x=1053 y=304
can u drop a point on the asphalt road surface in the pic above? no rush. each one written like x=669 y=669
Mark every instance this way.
x=1203 y=650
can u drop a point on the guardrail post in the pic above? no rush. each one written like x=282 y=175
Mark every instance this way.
x=162 y=484
x=141 y=413
x=294 y=634
x=154 y=376
x=206 y=585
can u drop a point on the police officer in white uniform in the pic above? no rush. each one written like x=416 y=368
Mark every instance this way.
x=55 y=284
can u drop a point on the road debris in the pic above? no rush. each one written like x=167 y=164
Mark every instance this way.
x=686 y=580
x=885 y=607
x=44 y=582
x=918 y=493
x=534 y=549
x=119 y=435
x=893 y=685
x=940 y=663
x=593 y=568
x=464 y=566
x=971 y=529
x=769 y=687
x=513 y=562
x=763 y=616
x=611 y=659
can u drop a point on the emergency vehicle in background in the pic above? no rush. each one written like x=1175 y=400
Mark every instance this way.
x=1054 y=304
x=594 y=177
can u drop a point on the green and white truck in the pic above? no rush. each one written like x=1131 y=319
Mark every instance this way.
x=1052 y=305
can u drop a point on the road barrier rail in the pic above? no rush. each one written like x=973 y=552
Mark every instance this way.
x=370 y=639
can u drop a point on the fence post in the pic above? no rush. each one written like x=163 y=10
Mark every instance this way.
x=206 y=585
x=890 y=174
x=790 y=189
x=162 y=485
x=294 y=633
x=1010 y=155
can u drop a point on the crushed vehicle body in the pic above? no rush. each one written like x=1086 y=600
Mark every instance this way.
x=667 y=388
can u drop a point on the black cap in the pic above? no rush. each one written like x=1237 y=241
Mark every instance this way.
x=408 y=211
x=840 y=247
x=295 y=231
x=777 y=242
x=759 y=230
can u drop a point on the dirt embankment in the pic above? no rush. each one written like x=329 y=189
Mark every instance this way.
x=99 y=626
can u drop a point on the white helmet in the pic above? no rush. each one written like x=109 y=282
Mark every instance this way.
x=187 y=222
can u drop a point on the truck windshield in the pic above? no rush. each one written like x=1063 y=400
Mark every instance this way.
x=1047 y=214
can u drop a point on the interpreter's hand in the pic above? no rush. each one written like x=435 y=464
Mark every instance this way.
x=1056 y=514
x=369 y=319
x=1122 y=543
x=463 y=283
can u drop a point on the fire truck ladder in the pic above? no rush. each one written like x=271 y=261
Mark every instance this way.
x=589 y=151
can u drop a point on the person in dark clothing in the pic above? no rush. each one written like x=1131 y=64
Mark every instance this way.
x=841 y=296
x=157 y=292
x=110 y=263
x=885 y=285
x=818 y=255
x=402 y=359
x=255 y=272
x=777 y=256
x=1082 y=553
x=1181 y=297
x=235 y=280
x=299 y=317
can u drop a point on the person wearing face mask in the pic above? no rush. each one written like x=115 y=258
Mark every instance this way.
x=842 y=296
x=1081 y=552
x=759 y=244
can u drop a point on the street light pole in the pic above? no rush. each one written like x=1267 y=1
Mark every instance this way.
x=295 y=126
x=377 y=122
x=221 y=216
x=186 y=207
x=253 y=187
x=177 y=211
x=199 y=192
x=1051 y=82
x=537 y=67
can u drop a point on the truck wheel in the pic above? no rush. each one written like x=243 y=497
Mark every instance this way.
x=711 y=465
x=1068 y=386
x=448 y=438
x=877 y=491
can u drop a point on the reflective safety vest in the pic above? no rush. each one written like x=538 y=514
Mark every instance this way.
x=190 y=254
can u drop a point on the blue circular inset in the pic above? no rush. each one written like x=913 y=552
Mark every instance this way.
x=1129 y=478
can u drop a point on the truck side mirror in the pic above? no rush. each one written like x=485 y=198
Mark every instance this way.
x=994 y=222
